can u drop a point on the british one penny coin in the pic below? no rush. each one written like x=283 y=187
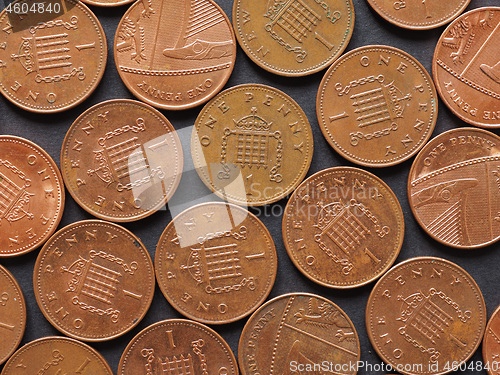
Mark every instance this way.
x=343 y=227
x=466 y=67
x=454 y=188
x=31 y=196
x=252 y=145
x=425 y=314
x=377 y=106
x=53 y=60
x=293 y=37
x=298 y=328
x=94 y=280
x=216 y=262
x=175 y=54
x=177 y=346
x=491 y=344
x=107 y=3
x=121 y=160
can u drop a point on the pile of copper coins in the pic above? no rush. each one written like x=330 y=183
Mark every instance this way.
x=261 y=187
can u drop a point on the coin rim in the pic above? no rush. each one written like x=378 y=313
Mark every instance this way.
x=102 y=4
x=487 y=329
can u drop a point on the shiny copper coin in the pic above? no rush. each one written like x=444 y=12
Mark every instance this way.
x=491 y=344
x=293 y=37
x=252 y=145
x=377 y=106
x=424 y=315
x=175 y=54
x=216 y=262
x=107 y=3
x=12 y=314
x=466 y=67
x=121 y=160
x=31 y=196
x=454 y=188
x=294 y=332
x=177 y=346
x=94 y=280
x=343 y=227
x=51 y=60
x=56 y=355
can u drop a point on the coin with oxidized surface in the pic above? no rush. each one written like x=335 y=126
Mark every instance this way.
x=343 y=227
x=216 y=262
x=377 y=106
x=52 y=60
x=252 y=145
x=31 y=196
x=298 y=328
x=466 y=67
x=293 y=37
x=94 y=280
x=56 y=355
x=454 y=188
x=177 y=346
x=175 y=54
x=107 y=3
x=121 y=160
x=491 y=344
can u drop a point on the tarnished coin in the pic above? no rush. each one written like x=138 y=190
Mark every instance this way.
x=12 y=314
x=94 y=280
x=377 y=106
x=252 y=145
x=216 y=262
x=121 y=160
x=31 y=196
x=294 y=332
x=175 y=54
x=343 y=227
x=454 y=188
x=293 y=37
x=177 y=346
x=491 y=344
x=53 y=58
x=56 y=355
x=466 y=67
x=107 y=3
x=425 y=314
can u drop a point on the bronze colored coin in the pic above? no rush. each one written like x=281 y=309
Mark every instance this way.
x=466 y=67
x=377 y=106
x=107 y=3
x=175 y=54
x=94 y=280
x=53 y=60
x=121 y=160
x=252 y=145
x=177 y=346
x=31 y=196
x=491 y=344
x=216 y=262
x=12 y=314
x=56 y=355
x=293 y=37
x=424 y=315
x=298 y=329
x=343 y=227
x=454 y=188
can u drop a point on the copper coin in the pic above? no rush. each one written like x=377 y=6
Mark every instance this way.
x=177 y=346
x=454 y=188
x=53 y=60
x=175 y=54
x=419 y=15
x=94 y=280
x=466 y=67
x=252 y=145
x=343 y=227
x=216 y=262
x=12 y=314
x=107 y=3
x=377 y=106
x=56 y=355
x=31 y=196
x=121 y=160
x=491 y=344
x=293 y=37
x=294 y=333
x=424 y=315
